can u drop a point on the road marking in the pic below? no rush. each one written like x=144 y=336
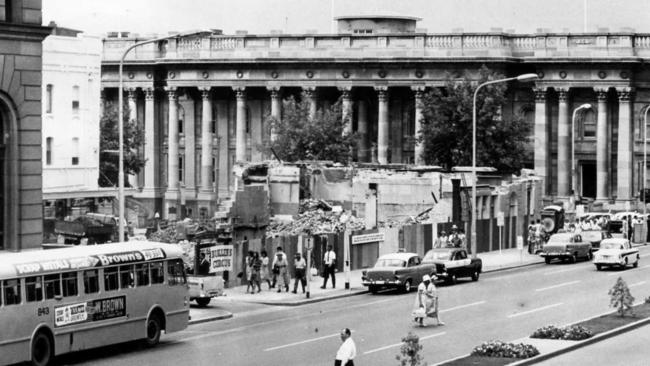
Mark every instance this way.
x=302 y=342
x=637 y=284
x=463 y=306
x=556 y=286
x=399 y=344
x=562 y=271
x=535 y=310
x=617 y=273
x=646 y=266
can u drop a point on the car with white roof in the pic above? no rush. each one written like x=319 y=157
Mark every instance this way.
x=396 y=270
x=616 y=252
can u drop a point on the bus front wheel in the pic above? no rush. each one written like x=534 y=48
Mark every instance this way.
x=154 y=328
x=42 y=352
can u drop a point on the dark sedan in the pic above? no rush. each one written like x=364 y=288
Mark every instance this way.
x=396 y=270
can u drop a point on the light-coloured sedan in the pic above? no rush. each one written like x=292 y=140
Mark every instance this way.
x=616 y=252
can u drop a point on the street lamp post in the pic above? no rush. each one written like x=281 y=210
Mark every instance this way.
x=574 y=179
x=523 y=77
x=120 y=119
x=645 y=154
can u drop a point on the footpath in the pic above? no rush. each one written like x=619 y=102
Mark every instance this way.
x=492 y=261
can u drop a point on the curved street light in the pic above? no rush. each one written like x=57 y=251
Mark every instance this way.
x=120 y=119
x=574 y=169
x=522 y=78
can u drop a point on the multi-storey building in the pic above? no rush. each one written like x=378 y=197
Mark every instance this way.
x=21 y=212
x=71 y=84
x=203 y=100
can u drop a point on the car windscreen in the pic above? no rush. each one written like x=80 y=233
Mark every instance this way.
x=436 y=255
x=390 y=263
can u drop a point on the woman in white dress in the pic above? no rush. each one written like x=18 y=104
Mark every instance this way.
x=426 y=302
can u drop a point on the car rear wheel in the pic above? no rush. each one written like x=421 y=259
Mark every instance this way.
x=373 y=288
x=203 y=301
x=453 y=279
x=573 y=258
x=590 y=255
x=475 y=275
x=407 y=286
x=547 y=260
x=636 y=264
x=598 y=267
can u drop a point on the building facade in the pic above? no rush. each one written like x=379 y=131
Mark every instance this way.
x=71 y=84
x=21 y=35
x=203 y=100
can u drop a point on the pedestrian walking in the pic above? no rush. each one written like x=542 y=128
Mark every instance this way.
x=249 y=271
x=264 y=269
x=300 y=266
x=426 y=302
x=274 y=268
x=281 y=266
x=441 y=240
x=255 y=275
x=348 y=350
x=329 y=267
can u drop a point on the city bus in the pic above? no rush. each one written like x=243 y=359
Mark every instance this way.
x=64 y=300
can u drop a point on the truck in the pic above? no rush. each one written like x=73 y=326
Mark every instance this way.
x=203 y=283
x=90 y=228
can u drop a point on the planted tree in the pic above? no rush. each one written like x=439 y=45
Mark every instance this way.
x=300 y=136
x=410 y=351
x=621 y=298
x=109 y=145
x=447 y=125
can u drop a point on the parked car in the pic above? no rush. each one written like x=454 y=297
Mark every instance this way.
x=453 y=263
x=396 y=270
x=595 y=237
x=616 y=252
x=565 y=246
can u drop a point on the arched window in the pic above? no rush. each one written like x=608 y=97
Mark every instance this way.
x=3 y=176
x=9 y=180
x=75 y=151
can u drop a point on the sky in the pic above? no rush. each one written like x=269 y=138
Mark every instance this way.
x=299 y=16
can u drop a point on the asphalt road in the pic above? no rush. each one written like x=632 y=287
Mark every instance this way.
x=505 y=305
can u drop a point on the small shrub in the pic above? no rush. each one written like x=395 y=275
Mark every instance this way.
x=410 y=351
x=503 y=349
x=621 y=298
x=571 y=333
x=647 y=300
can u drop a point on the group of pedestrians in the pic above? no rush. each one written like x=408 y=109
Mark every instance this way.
x=275 y=275
x=456 y=238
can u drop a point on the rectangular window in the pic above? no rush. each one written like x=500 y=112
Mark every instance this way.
x=214 y=174
x=34 y=288
x=70 y=285
x=176 y=272
x=75 y=99
x=181 y=170
x=180 y=126
x=52 y=284
x=126 y=277
x=111 y=282
x=48 y=150
x=11 y=291
x=75 y=151
x=91 y=281
x=49 y=89
x=142 y=274
x=157 y=273
x=213 y=126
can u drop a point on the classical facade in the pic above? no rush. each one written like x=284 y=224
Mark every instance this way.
x=71 y=84
x=203 y=100
x=21 y=34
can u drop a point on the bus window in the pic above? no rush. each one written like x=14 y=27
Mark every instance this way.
x=111 y=279
x=157 y=274
x=142 y=274
x=11 y=290
x=52 y=285
x=175 y=272
x=126 y=277
x=69 y=282
x=34 y=288
x=91 y=281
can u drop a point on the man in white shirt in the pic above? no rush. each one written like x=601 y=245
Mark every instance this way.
x=347 y=352
x=329 y=261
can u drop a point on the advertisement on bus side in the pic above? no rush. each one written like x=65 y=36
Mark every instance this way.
x=95 y=310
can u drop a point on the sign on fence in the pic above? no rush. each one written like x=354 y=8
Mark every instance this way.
x=367 y=238
x=221 y=258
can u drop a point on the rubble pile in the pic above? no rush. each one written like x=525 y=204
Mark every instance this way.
x=312 y=204
x=422 y=218
x=316 y=221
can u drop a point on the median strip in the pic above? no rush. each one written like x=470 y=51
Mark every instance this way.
x=399 y=344
x=535 y=310
x=559 y=285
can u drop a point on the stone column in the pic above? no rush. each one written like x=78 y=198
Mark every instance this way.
x=206 y=141
x=172 y=141
x=362 y=129
x=541 y=138
x=150 y=141
x=563 y=145
x=625 y=146
x=419 y=147
x=310 y=93
x=383 y=126
x=276 y=108
x=240 y=131
x=601 y=146
x=346 y=106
